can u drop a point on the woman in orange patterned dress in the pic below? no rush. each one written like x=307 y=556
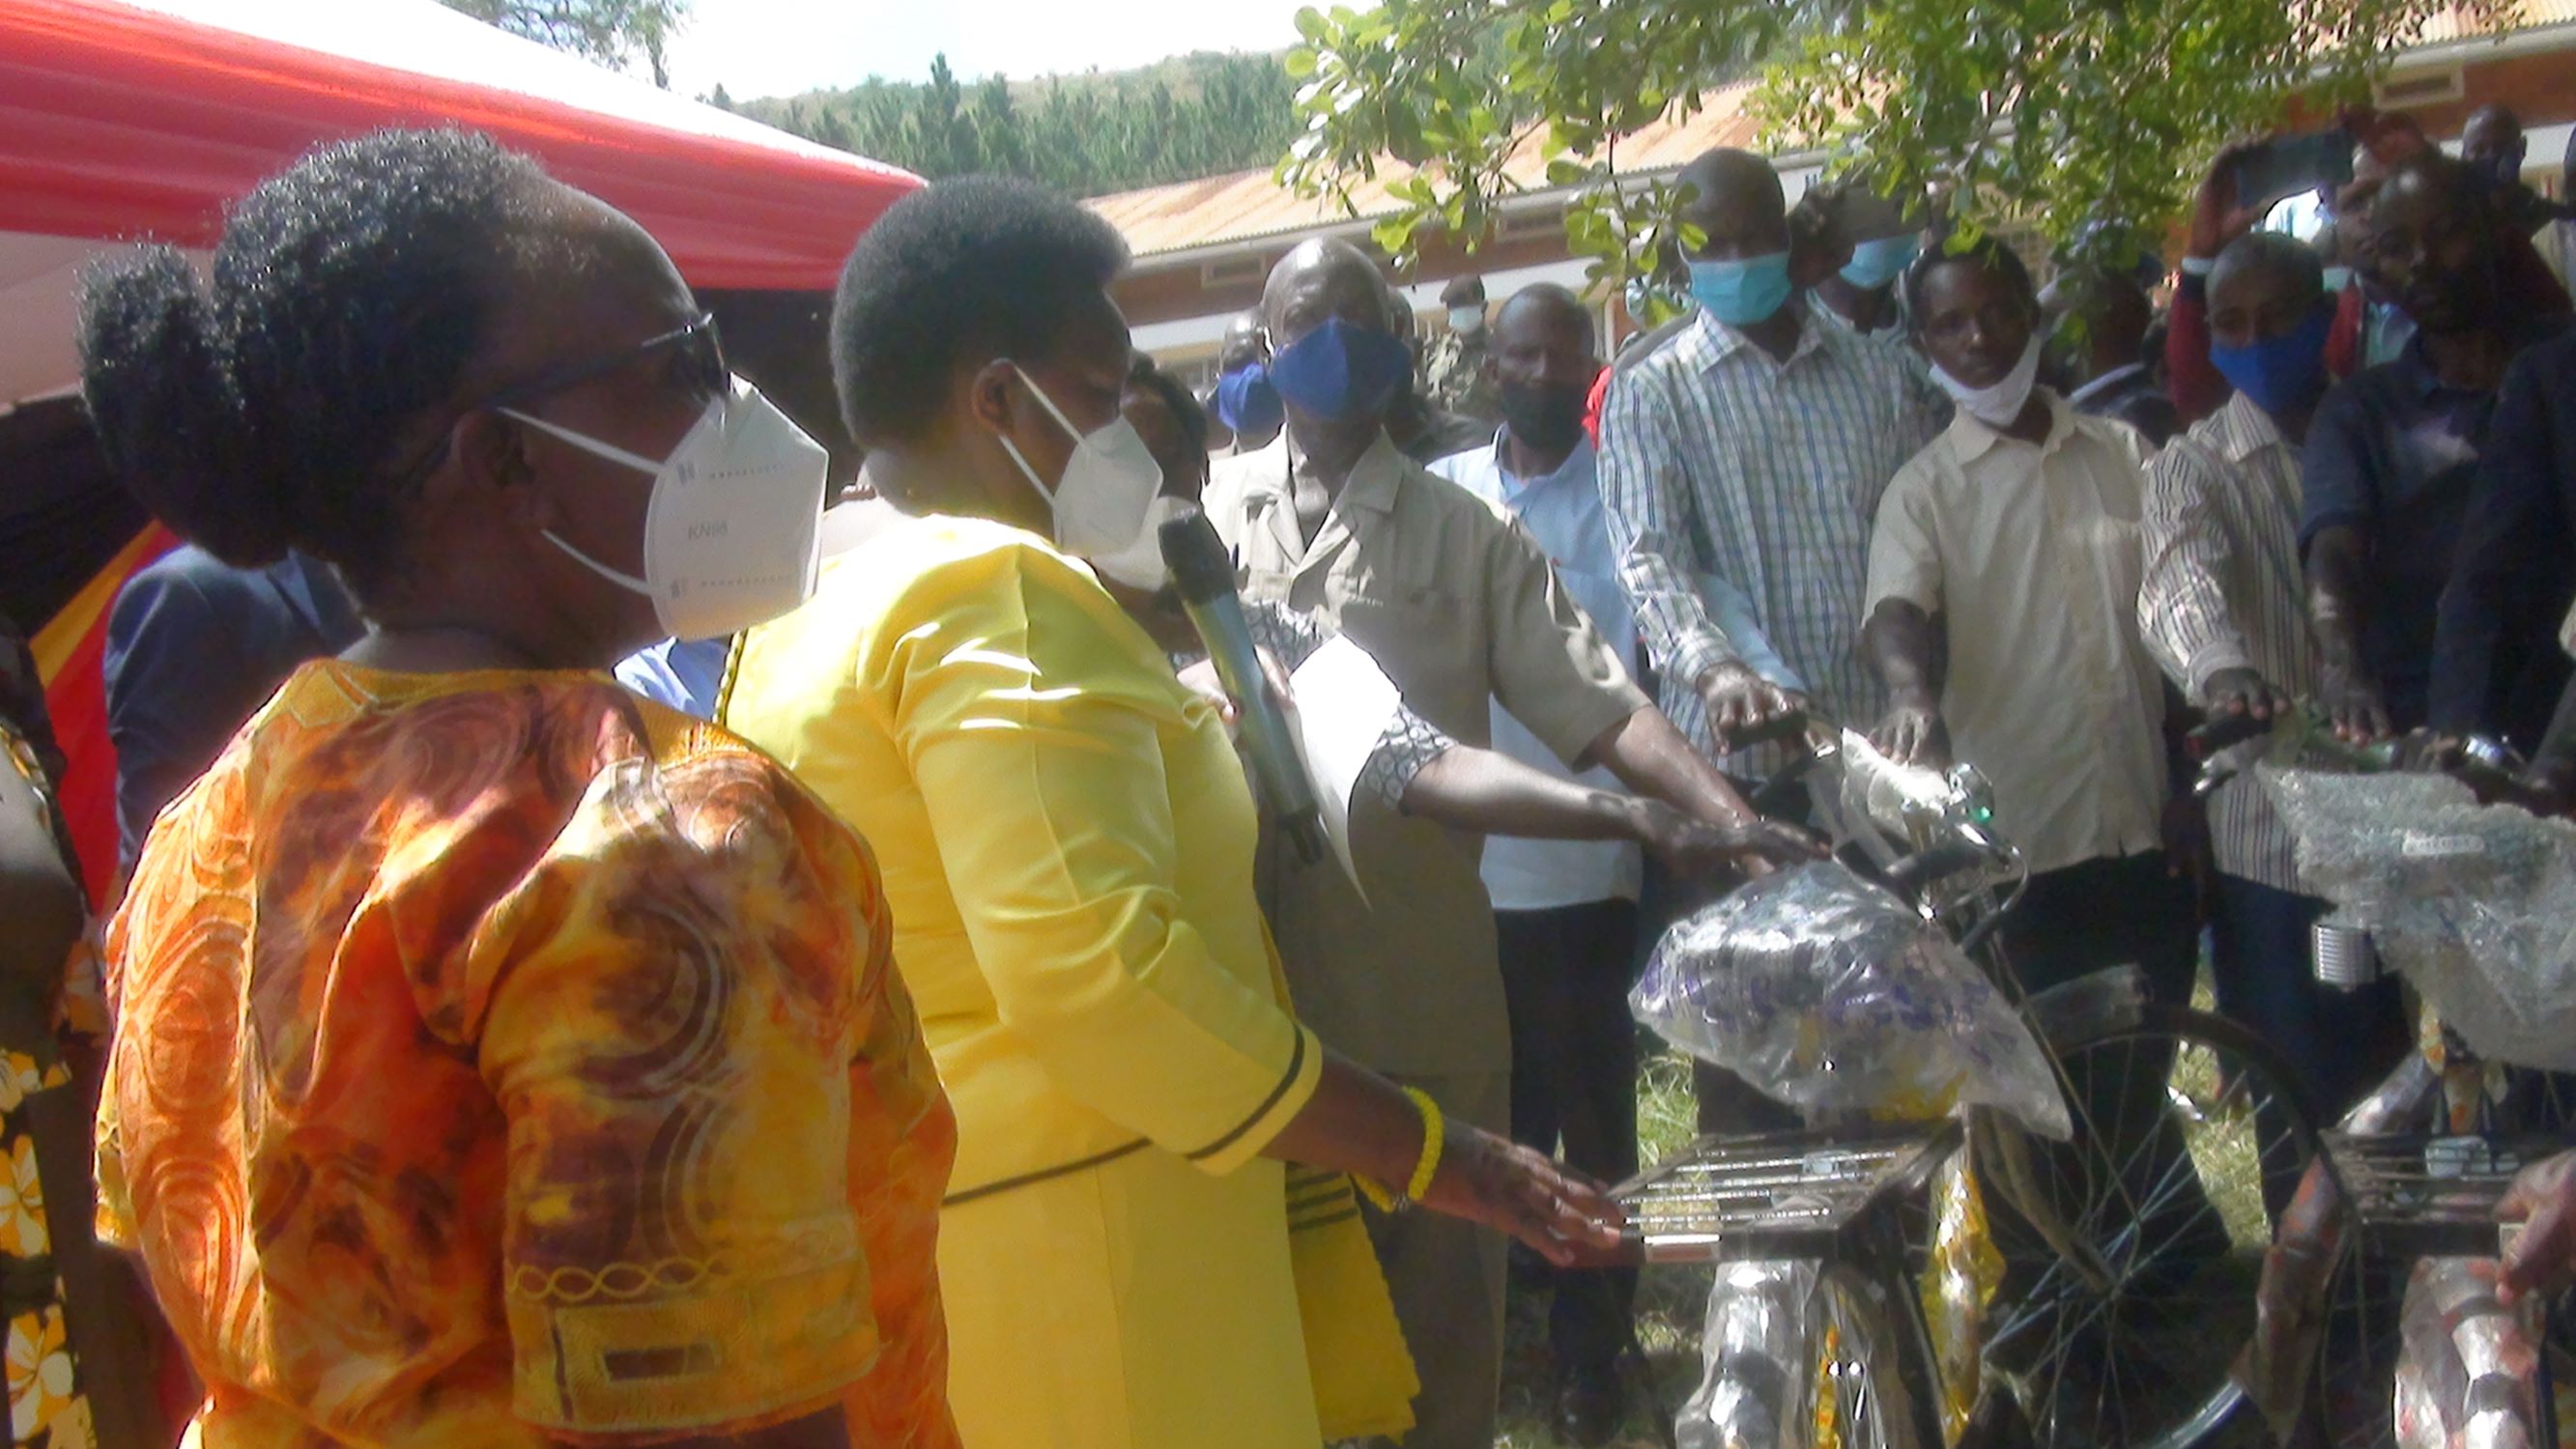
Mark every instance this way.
x=500 y=1060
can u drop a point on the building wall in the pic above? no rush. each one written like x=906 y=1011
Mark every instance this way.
x=2541 y=89
x=1156 y=292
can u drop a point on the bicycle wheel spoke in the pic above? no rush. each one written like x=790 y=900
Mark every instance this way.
x=2182 y=1143
x=2034 y=1305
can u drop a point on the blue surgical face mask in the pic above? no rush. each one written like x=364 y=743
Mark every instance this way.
x=1879 y=263
x=1247 y=401
x=1339 y=371
x=2280 y=374
x=2337 y=278
x=1743 y=293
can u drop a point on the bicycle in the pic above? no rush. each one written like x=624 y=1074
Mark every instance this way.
x=2126 y=1285
x=2410 y=1179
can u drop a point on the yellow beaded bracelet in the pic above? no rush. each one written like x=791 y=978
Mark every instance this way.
x=1434 y=1134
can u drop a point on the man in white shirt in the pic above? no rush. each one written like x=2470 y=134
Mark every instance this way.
x=2010 y=548
x=1565 y=912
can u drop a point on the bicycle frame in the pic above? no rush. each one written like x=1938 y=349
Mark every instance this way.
x=1929 y=835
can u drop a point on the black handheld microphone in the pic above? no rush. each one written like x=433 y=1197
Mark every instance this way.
x=1203 y=576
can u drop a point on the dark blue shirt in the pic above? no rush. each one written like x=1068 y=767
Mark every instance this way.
x=2393 y=452
x=194 y=647
x=2497 y=666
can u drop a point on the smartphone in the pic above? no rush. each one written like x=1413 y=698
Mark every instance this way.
x=2292 y=165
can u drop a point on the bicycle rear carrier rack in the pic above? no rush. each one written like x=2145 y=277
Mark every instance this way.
x=2432 y=1195
x=1779 y=1195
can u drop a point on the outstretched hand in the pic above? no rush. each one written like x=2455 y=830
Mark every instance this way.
x=1558 y=1212
x=1743 y=706
x=2543 y=1200
x=2245 y=692
x=1912 y=734
x=2353 y=703
x=1694 y=848
x=1202 y=680
x=2218 y=215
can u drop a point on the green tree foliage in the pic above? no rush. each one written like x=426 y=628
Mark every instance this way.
x=1198 y=115
x=2054 y=113
x=614 y=33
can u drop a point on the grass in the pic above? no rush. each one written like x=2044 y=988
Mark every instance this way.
x=1670 y=1301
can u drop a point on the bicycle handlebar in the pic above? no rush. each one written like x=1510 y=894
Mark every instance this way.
x=2223 y=732
x=2490 y=769
x=1790 y=726
x=1947 y=812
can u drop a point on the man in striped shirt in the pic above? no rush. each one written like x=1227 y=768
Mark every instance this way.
x=2223 y=611
x=1754 y=446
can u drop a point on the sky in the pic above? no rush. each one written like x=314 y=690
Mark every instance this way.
x=780 y=47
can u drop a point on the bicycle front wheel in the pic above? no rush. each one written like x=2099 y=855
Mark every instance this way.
x=1862 y=1401
x=2133 y=1252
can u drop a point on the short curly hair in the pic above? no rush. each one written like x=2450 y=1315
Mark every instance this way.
x=255 y=413
x=957 y=274
x=1985 y=253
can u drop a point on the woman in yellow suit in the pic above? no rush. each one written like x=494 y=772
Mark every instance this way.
x=1067 y=841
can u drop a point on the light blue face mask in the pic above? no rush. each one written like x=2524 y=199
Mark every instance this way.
x=2337 y=278
x=1741 y=293
x=1876 y=264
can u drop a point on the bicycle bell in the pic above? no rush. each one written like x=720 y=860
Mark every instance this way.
x=1973 y=794
x=2342 y=956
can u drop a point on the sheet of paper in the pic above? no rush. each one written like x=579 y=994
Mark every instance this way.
x=1342 y=705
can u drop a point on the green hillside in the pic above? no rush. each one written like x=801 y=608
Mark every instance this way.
x=1195 y=115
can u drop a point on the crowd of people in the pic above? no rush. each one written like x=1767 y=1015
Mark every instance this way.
x=613 y=951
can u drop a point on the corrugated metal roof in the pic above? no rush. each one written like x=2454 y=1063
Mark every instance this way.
x=2461 y=22
x=1249 y=205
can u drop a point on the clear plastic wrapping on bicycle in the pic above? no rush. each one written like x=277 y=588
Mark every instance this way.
x=1832 y=995
x=1757 y=1383
x=2476 y=904
x=2467 y=1371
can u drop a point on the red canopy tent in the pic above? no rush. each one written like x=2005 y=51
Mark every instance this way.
x=121 y=122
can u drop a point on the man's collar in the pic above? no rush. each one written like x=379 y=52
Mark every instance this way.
x=1714 y=342
x=1373 y=481
x=1972 y=439
x=2245 y=430
x=2103 y=384
x=1577 y=463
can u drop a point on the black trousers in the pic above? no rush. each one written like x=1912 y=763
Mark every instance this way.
x=2341 y=1043
x=2089 y=917
x=2102 y=913
x=1566 y=974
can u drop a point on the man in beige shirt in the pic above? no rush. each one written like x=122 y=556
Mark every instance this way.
x=1460 y=607
x=2010 y=548
x=2011 y=544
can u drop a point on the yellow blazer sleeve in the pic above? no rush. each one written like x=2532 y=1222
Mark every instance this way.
x=1034 y=717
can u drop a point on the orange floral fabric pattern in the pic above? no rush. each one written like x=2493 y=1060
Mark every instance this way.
x=503 y=1059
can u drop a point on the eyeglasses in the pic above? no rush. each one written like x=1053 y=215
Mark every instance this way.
x=698 y=368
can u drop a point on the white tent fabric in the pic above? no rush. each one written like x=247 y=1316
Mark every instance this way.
x=426 y=38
